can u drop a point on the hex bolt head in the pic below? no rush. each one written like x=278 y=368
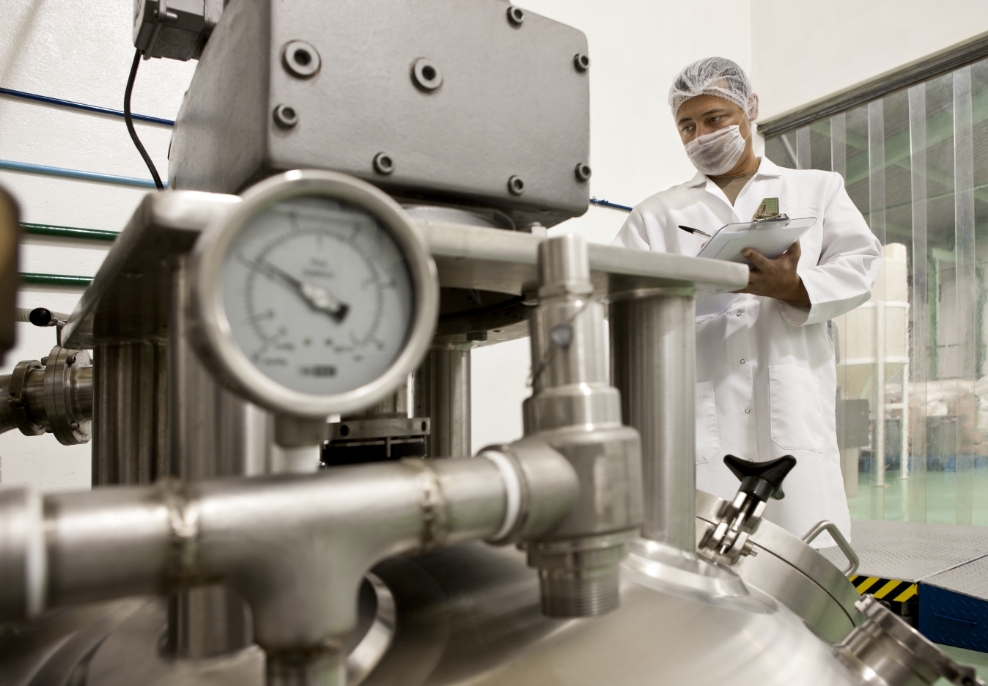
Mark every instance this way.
x=383 y=163
x=286 y=117
x=581 y=62
x=583 y=172
x=426 y=75
x=516 y=15
x=516 y=186
x=301 y=59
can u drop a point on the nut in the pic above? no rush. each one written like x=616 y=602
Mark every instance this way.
x=516 y=186
x=426 y=75
x=301 y=59
x=383 y=163
x=581 y=61
x=516 y=15
x=286 y=117
x=583 y=172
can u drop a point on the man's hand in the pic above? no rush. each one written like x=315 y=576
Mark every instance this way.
x=777 y=278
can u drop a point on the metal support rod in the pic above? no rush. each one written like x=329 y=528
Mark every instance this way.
x=212 y=433
x=653 y=354
x=301 y=581
x=442 y=393
x=129 y=412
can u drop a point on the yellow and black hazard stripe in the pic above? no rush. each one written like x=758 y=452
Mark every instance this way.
x=898 y=594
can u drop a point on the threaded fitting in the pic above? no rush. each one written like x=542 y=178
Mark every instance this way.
x=579 y=576
x=579 y=592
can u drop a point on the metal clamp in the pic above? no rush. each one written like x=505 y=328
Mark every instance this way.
x=18 y=398
x=886 y=650
x=842 y=543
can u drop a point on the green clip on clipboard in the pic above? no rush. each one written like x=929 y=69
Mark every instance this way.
x=770 y=237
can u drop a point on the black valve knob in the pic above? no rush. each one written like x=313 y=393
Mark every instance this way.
x=42 y=317
x=761 y=480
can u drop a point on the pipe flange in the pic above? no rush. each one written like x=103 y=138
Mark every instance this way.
x=60 y=367
x=18 y=398
x=886 y=647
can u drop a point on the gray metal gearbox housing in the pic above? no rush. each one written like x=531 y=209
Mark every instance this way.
x=432 y=100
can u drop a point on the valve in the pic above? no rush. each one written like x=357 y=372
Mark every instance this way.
x=727 y=540
x=53 y=395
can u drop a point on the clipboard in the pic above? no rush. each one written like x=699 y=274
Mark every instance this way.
x=770 y=237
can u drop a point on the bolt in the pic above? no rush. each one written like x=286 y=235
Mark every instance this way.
x=583 y=172
x=516 y=186
x=301 y=59
x=286 y=117
x=516 y=15
x=344 y=430
x=581 y=62
x=426 y=75
x=383 y=163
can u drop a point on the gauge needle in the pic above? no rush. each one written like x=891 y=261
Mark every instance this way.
x=318 y=297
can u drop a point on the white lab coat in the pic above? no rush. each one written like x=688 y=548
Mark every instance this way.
x=766 y=378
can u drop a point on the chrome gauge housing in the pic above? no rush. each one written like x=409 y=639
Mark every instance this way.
x=315 y=296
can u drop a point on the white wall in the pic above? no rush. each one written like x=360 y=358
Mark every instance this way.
x=803 y=51
x=636 y=48
x=77 y=51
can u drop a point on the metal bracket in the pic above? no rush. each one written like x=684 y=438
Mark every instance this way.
x=727 y=540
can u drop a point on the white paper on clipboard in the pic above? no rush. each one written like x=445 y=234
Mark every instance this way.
x=770 y=237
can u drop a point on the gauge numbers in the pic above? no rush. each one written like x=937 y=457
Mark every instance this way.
x=317 y=295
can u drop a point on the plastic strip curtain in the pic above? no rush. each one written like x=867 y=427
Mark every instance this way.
x=913 y=362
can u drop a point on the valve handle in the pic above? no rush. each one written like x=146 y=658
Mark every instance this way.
x=761 y=480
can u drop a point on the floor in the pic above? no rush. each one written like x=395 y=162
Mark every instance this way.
x=946 y=501
x=949 y=498
x=967 y=657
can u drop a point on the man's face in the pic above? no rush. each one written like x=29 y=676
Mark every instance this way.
x=705 y=114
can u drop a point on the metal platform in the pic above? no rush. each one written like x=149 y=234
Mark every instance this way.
x=945 y=566
x=917 y=552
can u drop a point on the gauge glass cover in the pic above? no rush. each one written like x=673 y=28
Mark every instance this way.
x=317 y=295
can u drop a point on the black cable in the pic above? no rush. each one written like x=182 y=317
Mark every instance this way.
x=130 y=122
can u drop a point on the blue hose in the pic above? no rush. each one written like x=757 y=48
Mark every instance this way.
x=83 y=106
x=29 y=168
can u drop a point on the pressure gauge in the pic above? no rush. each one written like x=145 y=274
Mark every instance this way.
x=315 y=296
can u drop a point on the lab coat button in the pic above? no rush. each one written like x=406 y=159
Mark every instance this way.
x=739 y=313
x=742 y=360
x=747 y=410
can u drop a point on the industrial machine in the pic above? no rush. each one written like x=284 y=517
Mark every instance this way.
x=278 y=397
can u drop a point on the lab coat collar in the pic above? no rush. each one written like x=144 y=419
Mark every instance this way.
x=767 y=168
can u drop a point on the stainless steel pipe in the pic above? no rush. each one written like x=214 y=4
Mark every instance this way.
x=653 y=365
x=442 y=393
x=212 y=433
x=301 y=581
x=576 y=411
x=129 y=412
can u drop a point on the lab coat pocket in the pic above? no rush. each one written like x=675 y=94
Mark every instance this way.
x=797 y=422
x=707 y=434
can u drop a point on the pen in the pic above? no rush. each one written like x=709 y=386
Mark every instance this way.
x=692 y=230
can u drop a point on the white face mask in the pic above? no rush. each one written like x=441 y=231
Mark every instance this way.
x=716 y=153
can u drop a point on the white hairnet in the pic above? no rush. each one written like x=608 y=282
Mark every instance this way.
x=717 y=76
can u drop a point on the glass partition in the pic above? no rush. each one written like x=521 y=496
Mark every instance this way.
x=912 y=410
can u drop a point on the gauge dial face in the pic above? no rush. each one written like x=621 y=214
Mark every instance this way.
x=317 y=295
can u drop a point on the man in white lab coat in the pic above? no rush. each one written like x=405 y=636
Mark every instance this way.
x=766 y=378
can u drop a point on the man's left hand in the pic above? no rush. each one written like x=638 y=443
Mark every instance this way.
x=777 y=278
